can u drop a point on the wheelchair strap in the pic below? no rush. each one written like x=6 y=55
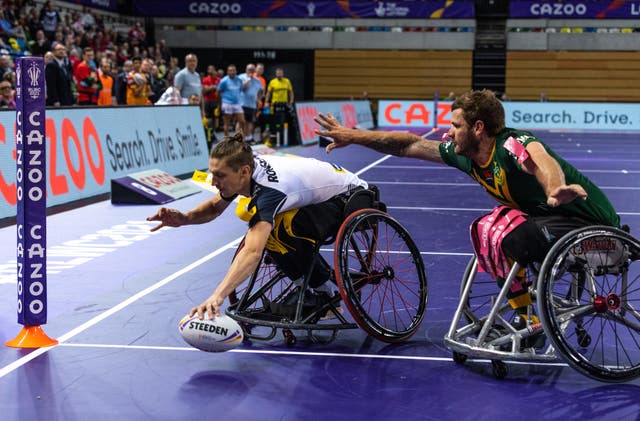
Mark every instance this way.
x=487 y=233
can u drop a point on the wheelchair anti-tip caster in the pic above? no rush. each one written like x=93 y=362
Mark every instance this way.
x=584 y=339
x=289 y=337
x=459 y=358
x=500 y=369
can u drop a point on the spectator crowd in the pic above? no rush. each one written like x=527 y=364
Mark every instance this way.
x=90 y=63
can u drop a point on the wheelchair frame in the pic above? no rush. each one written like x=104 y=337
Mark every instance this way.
x=582 y=290
x=357 y=243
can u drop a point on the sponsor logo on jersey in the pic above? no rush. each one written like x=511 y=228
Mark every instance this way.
x=272 y=176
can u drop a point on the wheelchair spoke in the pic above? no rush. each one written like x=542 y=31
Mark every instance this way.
x=619 y=346
x=567 y=314
x=631 y=310
x=629 y=324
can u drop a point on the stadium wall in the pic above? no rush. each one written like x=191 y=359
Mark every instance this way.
x=596 y=76
x=398 y=34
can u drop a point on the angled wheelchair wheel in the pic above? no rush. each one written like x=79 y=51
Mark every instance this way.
x=380 y=275
x=589 y=300
x=480 y=299
x=484 y=289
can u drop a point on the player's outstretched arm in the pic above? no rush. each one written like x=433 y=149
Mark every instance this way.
x=550 y=176
x=243 y=265
x=204 y=212
x=395 y=143
x=566 y=194
x=168 y=218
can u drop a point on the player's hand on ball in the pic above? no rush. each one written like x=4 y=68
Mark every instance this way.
x=211 y=306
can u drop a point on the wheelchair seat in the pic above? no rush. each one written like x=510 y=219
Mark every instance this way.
x=362 y=199
x=357 y=200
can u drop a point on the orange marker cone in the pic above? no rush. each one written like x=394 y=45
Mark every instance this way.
x=31 y=337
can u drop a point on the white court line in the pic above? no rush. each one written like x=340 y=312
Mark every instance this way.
x=422 y=208
x=18 y=363
x=438 y=167
x=429 y=133
x=34 y=354
x=419 y=208
x=301 y=353
x=587 y=131
x=373 y=164
x=426 y=183
x=431 y=253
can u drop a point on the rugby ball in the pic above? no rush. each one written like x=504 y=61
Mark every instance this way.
x=217 y=335
x=139 y=79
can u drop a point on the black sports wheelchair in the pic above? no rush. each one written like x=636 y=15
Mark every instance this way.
x=378 y=271
x=586 y=292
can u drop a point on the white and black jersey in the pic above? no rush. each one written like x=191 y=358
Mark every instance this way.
x=282 y=183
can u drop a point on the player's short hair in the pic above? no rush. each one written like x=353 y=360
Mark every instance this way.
x=234 y=151
x=482 y=105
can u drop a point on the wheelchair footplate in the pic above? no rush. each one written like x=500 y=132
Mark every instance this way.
x=274 y=315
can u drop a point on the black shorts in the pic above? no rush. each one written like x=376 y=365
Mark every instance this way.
x=249 y=114
x=531 y=241
x=210 y=108
x=293 y=249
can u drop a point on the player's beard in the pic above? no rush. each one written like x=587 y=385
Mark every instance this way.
x=466 y=145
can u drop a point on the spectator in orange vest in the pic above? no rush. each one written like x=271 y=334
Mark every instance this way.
x=106 y=93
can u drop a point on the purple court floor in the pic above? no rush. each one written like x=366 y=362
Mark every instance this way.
x=117 y=292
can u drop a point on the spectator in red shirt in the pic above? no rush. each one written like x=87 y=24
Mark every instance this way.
x=87 y=79
x=210 y=96
x=137 y=35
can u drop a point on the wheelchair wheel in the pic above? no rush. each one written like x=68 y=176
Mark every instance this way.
x=380 y=275
x=588 y=290
x=265 y=285
x=483 y=291
x=480 y=297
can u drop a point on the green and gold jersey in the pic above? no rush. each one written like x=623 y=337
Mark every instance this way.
x=505 y=180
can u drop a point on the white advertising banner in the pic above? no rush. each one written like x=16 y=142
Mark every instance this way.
x=87 y=147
